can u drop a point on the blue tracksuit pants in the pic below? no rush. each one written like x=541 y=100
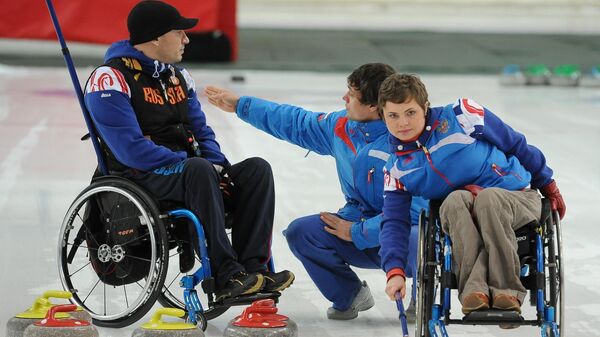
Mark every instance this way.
x=327 y=259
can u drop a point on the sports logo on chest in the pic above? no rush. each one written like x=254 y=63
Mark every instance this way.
x=173 y=95
x=443 y=128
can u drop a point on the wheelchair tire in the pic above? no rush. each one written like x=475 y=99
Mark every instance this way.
x=92 y=274
x=425 y=273
x=554 y=269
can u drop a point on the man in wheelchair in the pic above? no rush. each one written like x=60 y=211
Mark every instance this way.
x=463 y=154
x=154 y=132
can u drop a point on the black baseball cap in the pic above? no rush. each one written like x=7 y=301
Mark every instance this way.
x=150 y=19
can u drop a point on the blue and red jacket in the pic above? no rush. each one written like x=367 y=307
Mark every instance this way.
x=108 y=97
x=462 y=144
x=360 y=150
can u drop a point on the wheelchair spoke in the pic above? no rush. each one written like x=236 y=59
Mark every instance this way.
x=82 y=246
x=136 y=239
x=125 y=291
x=88 y=231
x=78 y=270
x=139 y=258
x=104 y=298
x=174 y=279
x=88 y=295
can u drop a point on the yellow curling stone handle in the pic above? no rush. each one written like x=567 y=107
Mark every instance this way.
x=157 y=324
x=42 y=304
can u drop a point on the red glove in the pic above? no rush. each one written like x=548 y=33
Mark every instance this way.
x=552 y=192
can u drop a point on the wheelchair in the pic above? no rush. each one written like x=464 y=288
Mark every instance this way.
x=540 y=255
x=120 y=251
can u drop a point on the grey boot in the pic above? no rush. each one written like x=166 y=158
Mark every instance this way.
x=363 y=301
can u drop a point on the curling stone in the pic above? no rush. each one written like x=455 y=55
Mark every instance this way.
x=157 y=328
x=537 y=74
x=566 y=75
x=591 y=79
x=512 y=75
x=38 y=311
x=66 y=327
x=261 y=319
x=81 y=315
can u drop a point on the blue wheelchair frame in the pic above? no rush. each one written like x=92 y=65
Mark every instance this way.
x=189 y=282
x=440 y=313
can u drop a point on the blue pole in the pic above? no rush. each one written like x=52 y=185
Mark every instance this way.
x=75 y=80
x=402 y=317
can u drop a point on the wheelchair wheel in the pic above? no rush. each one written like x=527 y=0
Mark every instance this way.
x=112 y=252
x=425 y=273
x=554 y=270
x=171 y=295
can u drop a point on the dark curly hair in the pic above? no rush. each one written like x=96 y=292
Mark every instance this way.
x=367 y=79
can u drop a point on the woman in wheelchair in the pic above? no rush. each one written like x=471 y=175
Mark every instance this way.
x=486 y=173
x=154 y=133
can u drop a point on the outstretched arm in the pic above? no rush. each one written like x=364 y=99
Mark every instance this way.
x=222 y=98
x=311 y=130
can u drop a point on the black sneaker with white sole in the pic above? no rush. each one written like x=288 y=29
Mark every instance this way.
x=277 y=281
x=240 y=283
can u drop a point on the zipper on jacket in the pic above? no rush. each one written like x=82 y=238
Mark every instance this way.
x=430 y=161
x=501 y=173
x=498 y=171
x=164 y=90
x=370 y=174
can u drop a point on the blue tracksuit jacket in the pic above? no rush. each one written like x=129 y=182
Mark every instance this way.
x=463 y=144
x=360 y=150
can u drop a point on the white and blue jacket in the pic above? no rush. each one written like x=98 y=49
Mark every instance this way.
x=462 y=144
x=360 y=150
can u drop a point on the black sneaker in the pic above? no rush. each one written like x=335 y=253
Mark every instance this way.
x=241 y=283
x=277 y=281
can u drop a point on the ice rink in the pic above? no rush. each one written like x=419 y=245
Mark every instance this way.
x=44 y=165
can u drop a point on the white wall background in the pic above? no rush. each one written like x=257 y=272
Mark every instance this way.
x=525 y=16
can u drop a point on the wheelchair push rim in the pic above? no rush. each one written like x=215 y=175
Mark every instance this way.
x=560 y=277
x=111 y=305
x=425 y=286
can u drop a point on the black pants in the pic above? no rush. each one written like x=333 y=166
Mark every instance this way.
x=195 y=183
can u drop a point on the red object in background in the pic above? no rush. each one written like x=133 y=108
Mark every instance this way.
x=95 y=21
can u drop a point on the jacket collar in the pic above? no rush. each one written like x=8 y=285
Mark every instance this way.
x=370 y=130
x=124 y=49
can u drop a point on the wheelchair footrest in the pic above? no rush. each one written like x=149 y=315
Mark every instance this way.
x=248 y=299
x=489 y=317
